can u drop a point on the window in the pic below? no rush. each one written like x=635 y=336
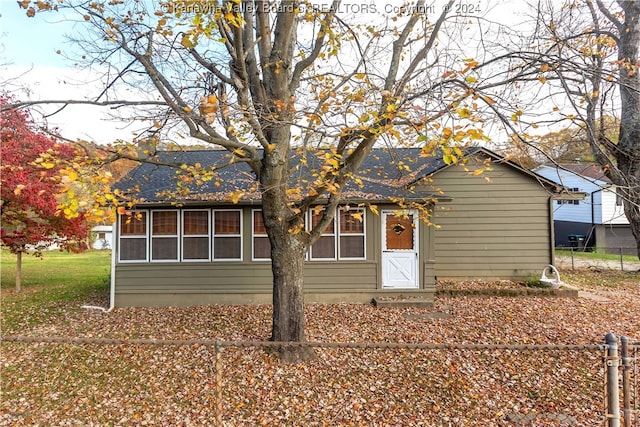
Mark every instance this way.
x=352 y=242
x=344 y=238
x=195 y=235
x=261 y=246
x=164 y=235
x=227 y=235
x=325 y=246
x=570 y=202
x=133 y=236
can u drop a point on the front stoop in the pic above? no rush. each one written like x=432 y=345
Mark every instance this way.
x=402 y=302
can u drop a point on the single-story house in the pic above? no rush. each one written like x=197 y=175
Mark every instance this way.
x=187 y=244
x=596 y=222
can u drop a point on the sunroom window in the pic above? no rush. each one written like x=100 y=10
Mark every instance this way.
x=164 y=235
x=133 y=236
x=261 y=246
x=325 y=246
x=344 y=238
x=195 y=235
x=227 y=235
x=352 y=237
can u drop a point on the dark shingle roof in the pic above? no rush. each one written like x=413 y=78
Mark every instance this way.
x=385 y=175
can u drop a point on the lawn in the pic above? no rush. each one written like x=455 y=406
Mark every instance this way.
x=126 y=384
x=595 y=255
x=51 y=284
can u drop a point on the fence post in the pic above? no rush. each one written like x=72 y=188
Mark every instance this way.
x=613 y=389
x=572 y=264
x=626 y=386
x=621 y=260
x=218 y=391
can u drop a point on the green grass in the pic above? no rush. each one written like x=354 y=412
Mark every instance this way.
x=595 y=255
x=49 y=285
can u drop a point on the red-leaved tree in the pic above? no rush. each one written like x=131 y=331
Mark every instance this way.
x=32 y=189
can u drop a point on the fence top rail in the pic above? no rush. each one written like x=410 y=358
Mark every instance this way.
x=218 y=343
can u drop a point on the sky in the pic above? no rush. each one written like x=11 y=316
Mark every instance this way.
x=32 y=69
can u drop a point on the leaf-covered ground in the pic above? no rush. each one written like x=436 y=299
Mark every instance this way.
x=90 y=384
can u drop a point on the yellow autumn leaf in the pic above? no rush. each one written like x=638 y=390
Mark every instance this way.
x=463 y=112
x=187 y=42
x=72 y=176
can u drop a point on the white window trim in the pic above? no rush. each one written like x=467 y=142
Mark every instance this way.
x=254 y=234
x=209 y=236
x=363 y=234
x=213 y=235
x=167 y=236
x=145 y=237
x=325 y=234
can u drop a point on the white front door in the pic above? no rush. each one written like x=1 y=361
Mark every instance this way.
x=400 y=249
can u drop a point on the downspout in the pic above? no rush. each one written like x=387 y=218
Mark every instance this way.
x=112 y=285
x=552 y=233
x=593 y=221
x=114 y=250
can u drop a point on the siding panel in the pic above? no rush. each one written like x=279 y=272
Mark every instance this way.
x=497 y=229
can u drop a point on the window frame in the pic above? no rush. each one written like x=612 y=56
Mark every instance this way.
x=259 y=235
x=209 y=236
x=363 y=234
x=168 y=236
x=125 y=237
x=214 y=235
x=325 y=233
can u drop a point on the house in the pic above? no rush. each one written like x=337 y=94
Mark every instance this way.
x=103 y=237
x=598 y=221
x=186 y=244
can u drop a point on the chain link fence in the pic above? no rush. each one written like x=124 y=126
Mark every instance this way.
x=623 y=259
x=100 y=381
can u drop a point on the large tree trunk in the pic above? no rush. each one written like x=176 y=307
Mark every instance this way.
x=288 y=248
x=627 y=152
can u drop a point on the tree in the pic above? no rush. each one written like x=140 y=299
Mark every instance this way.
x=262 y=78
x=586 y=53
x=32 y=191
x=567 y=145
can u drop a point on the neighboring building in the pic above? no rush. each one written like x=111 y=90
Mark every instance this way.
x=103 y=236
x=201 y=249
x=598 y=221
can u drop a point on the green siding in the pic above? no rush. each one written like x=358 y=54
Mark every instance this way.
x=246 y=282
x=496 y=229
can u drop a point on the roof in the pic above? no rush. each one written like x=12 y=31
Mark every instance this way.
x=586 y=170
x=385 y=175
